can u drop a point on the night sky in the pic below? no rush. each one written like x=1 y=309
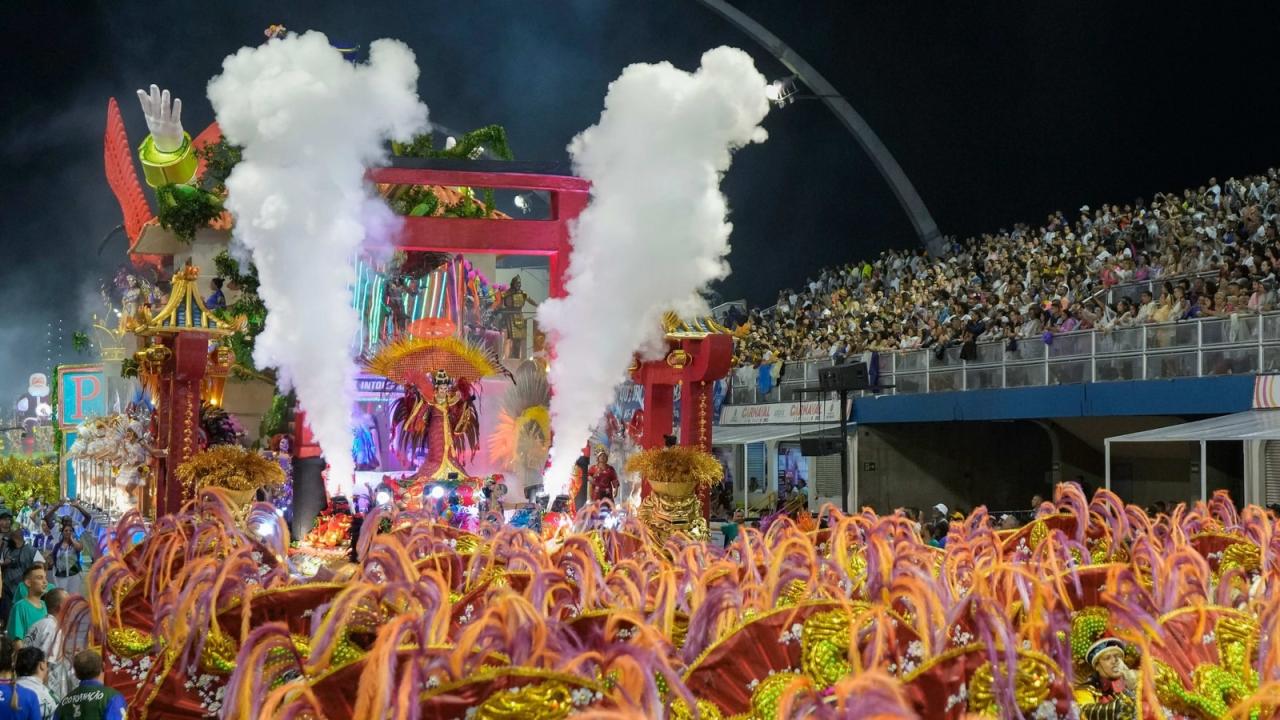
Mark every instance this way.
x=998 y=112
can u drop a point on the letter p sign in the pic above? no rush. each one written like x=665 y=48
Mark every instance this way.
x=85 y=390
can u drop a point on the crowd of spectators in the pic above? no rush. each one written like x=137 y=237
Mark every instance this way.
x=1210 y=251
x=42 y=569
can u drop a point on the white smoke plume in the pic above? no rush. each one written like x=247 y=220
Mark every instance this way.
x=656 y=231
x=310 y=122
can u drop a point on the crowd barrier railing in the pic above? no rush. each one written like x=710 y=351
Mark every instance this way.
x=1242 y=343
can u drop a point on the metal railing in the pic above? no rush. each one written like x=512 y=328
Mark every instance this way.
x=1133 y=288
x=1244 y=343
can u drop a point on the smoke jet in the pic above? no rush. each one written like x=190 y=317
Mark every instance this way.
x=310 y=122
x=656 y=231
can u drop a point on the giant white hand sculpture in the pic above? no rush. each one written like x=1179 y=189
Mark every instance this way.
x=166 y=155
x=164 y=119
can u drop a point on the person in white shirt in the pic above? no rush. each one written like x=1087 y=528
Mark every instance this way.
x=1146 y=307
x=32 y=670
x=44 y=634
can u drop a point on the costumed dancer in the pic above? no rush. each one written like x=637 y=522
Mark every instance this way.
x=216 y=300
x=1109 y=693
x=441 y=423
x=604 y=479
x=445 y=424
x=579 y=485
x=393 y=302
x=135 y=302
x=134 y=469
x=364 y=450
x=494 y=491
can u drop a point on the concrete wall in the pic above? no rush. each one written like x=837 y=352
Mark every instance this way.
x=1002 y=464
x=1171 y=472
x=998 y=464
x=248 y=401
x=487 y=264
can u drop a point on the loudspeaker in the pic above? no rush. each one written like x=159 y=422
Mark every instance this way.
x=308 y=494
x=852 y=376
x=819 y=445
x=560 y=504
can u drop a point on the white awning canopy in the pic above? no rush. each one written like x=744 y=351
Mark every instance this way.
x=743 y=434
x=1248 y=425
x=1242 y=426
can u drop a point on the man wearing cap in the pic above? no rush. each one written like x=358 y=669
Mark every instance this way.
x=1108 y=694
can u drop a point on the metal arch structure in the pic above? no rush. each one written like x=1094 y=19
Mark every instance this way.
x=906 y=193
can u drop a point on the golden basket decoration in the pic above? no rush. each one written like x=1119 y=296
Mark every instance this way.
x=675 y=474
x=231 y=468
x=676 y=471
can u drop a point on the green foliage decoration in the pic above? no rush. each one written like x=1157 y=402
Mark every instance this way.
x=220 y=159
x=491 y=138
x=23 y=478
x=248 y=304
x=185 y=209
x=276 y=419
x=419 y=201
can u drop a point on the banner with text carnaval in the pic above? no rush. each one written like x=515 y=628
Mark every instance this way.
x=826 y=411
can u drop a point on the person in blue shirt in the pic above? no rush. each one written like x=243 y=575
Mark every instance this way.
x=940 y=531
x=91 y=700
x=16 y=703
x=216 y=300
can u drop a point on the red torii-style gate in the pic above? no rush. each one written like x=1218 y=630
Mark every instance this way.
x=568 y=195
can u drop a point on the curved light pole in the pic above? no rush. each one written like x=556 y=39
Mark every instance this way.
x=906 y=193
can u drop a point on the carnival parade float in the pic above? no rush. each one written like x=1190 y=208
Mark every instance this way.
x=342 y=485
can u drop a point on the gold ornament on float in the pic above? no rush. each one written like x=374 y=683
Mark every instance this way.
x=675 y=474
x=234 y=470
